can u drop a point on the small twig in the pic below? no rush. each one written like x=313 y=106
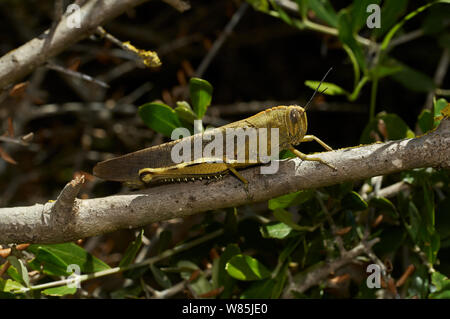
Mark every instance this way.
x=136 y=94
x=179 y=5
x=392 y=190
x=406 y=38
x=178 y=43
x=76 y=74
x=63 y=208
x=408 y=272
x=439 y=75
x=376 y=182
x=424 y=259
x=442 y=92
x=148 y=58
x=169 y=292
x=221 y=40
x=22 y=140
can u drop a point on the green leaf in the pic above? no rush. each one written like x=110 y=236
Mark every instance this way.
x=275 y=230
x=347 y=36
x=354 y=201
x=59 y=291
x=439 y=280
x=186 y=268
x=201 y=285
x=338 y=191
x=441 y=294
x=414 y=80
x=132 y=250
x=283 y=15
x=21 y=269
x=331 y=88
x=284 y=216
x=51 y=264
x=185 y=113
x=161 y=277
x=132 y=291
x=384 y=204
x=260 y=5
x=159 y=117
x=259 y=290
x=201 y=95
x=289 y=249
x=425 y=121
x=436 y=19
x=286 y=154
x=324 y=11
x=71 y=253
x=395 y=128
x=291 y=199
x=14 y=274
x=390 y=12
x=387 y=67
x=358 y=82
x=428 y=210
x=439 y=105
x=246 y=268
x=359 y=13
x=280 y=281
x=302 y=7
x=3 y=294
x=432 y=247
x=415 y=221
x=224 y=279
x=12 y=286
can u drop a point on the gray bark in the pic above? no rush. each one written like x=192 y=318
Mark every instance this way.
x=41 y=224
x=21 y=61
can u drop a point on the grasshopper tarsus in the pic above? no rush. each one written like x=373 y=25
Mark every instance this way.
x=305 y=157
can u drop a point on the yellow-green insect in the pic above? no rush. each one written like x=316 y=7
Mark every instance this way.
x=155 y=164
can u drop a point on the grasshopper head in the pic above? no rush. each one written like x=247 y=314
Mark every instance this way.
x=296 y=123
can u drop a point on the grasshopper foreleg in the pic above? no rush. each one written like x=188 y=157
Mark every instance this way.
x=310 y=138
x=309 y=157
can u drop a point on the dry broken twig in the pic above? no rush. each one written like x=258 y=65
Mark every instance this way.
x=21 y=61
x=34 y=224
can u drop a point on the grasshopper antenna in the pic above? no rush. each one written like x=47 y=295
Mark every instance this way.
x=317 y=89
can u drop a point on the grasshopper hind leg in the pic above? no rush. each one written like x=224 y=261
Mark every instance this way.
x=241 y=178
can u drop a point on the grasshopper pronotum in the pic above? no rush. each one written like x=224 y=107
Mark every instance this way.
x=155 y=164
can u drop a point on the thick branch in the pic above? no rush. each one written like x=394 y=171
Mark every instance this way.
x=21 y=61
x=101 y=215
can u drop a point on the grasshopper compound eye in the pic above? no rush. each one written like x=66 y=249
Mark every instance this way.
x=294 y=116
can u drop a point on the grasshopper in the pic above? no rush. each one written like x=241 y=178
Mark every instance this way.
x=155 y=164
